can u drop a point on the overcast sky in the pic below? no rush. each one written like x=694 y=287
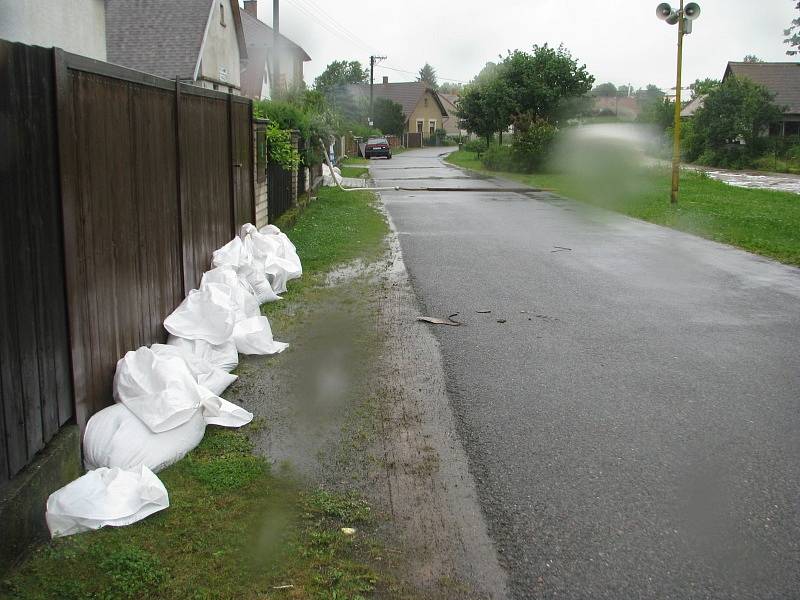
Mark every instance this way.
x=619 y=40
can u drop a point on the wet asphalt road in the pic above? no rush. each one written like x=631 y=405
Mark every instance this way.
x=634 y=424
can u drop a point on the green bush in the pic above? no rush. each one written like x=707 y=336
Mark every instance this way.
x=532 y=144
x=499 y=158
x=477 y=145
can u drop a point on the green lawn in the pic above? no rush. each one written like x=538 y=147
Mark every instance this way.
x=760 y=221
x=358 y=172
x=235 y=528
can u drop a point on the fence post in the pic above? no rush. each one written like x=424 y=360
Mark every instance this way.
x=260 y=184
x=179 y=182
x=296 y=145
x=231 y=167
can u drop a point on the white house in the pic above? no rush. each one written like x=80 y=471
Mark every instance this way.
x=78 y=26
x=196 y=41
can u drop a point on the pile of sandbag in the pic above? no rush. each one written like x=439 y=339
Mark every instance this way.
x=331 y=177
x=166 y=394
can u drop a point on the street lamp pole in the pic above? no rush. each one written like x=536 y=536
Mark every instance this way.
x=676 y=137
x=683 y=17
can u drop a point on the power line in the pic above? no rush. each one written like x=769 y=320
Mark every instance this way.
x=417 y=73
x=319 y=9
x=330 y=25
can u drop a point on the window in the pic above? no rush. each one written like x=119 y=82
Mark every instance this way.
x=221 y=14
x=432 y=126
x=420 y=126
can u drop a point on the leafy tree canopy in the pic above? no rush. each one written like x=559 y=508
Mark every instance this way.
x=752 y=58
x=652 y=93
x=428 y=74
x=736 y=110
x=624 y=90
x=793 y=35
x=340 y=73
x=388 y=116
x=605 y=90
x=703 y=86
x=448 y=87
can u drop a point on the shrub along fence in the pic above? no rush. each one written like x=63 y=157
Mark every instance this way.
x=116 y=186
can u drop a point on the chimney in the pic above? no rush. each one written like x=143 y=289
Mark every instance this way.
x=385 y=79
x=251 y=8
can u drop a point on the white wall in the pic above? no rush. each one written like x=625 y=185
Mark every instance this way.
x=77 y=26
x=222 y=48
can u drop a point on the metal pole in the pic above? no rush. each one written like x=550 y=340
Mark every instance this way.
x=276 y=58
x=676 y=142
x=371 y=83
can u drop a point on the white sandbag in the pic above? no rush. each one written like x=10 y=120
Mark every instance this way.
x=238 y=256
x=223 y=356
x=160 y=390
x=206 y=314
x=288 y=251
x=254 y=336
x=105 y=497
x=328 y=176
x=207 y=375
x=242 y=293
x=218 y=411
x=115 y=437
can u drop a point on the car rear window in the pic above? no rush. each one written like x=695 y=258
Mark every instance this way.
x=377 y=141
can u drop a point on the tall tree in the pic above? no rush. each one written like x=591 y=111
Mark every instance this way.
x=793 y=35
x=652 y=93
x=752 y=58
x=701 y=87
x=340 y=73
x=605 y=90
x=624 y=91
x=389 y=117
x=451 y=88
x=428 y=74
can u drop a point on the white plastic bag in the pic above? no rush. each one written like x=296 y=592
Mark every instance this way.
x=115 y=437
x=223 y=356
x=207 y=375
x=236 y=255
x=207 y=314
x=218 y=411
x=288 y=250
x=254 y=336
x=241 y=292
x=105 y=497
x=160 y=390
x=269 y=250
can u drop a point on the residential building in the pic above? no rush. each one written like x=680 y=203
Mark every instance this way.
x=422 y=107
x=257 y=68
x=78 y=26
x=452 y=124
x=196 y=41
x=780 y=78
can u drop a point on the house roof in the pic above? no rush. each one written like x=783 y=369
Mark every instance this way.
x=449 y=102
x=259 y=34
x=780 y=78
x=406 y=94
x=693 y=105
x=162 y=38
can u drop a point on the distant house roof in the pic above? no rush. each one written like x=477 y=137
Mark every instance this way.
x=259 y=34
x=406 y=94
x=693 y=105
x=449 y=101
x=162 y=38
x=624 y=106
x=780 y=78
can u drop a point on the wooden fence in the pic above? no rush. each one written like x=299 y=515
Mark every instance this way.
x=116 y=188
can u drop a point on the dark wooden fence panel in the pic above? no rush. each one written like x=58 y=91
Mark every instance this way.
x=117 y=186
x=242 y=131
x=205 y=182
x=279 y=191
x=35 y=385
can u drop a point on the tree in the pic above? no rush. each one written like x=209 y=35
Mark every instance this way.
x=624 y=91
x=451 y=88
x=701 y=87
x=652 y=93
x=540 y=82
x=428 y=74
x=481 y=109
x=737 y=111
x=752 y=58
x=793 y=35
x=340 y=73
x=605 y=90
x=389 y=117
x=661 y=114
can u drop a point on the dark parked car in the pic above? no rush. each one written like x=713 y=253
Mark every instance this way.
x=377 y=147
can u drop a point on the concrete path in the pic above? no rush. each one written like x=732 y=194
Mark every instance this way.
x=631 y=404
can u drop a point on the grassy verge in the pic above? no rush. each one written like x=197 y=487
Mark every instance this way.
x=355 y=171
x=236 y=528
x=761 y=221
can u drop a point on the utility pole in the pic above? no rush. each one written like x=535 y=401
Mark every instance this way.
x=676 y=141
x=276 y=56
x=372 y=61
